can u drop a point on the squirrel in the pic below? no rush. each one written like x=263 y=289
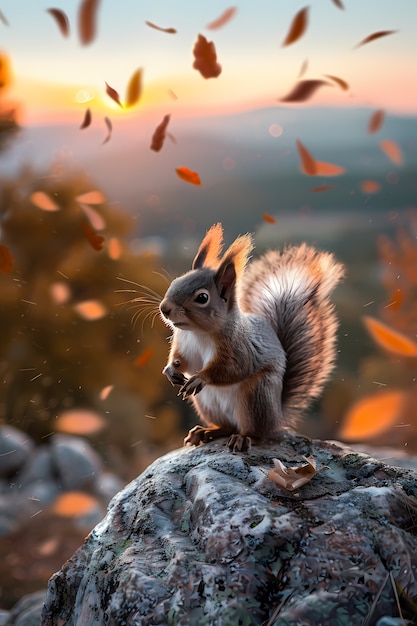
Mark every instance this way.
x=253 y=344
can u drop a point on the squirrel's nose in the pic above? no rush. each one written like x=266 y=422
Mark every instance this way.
x=165 y=309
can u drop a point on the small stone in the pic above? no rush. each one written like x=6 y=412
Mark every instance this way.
x=76 y=463
x=15 y=447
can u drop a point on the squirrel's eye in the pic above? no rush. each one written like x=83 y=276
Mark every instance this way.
x=202 y=297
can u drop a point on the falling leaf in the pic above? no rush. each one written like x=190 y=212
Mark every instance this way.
x=105 y=392
x=144 y=357
x=308 y=164
x=292 y=478
x=92 y=197
x=6 y=259
x=134 y=89
x=87 y=120
x=320 y=188
x=339 y=4
x=4 y=19
x=95 y=241
x=370 y=186
x=377 y=35
x=173 y=94
x=297 y=28
x=206 y=58
x=373 y=415
x=303 y=68
x=114 y=248
x=390 y=339
x=74 y=503
x=392 y=150
x=87 y=18
x=41 y=200
x=90 y=310
x=109 y=128
x=339 y=81
x=304 y=89
x=171 y=31
x=329 y=169
x=225 y=17
x=158 y=137
x=79 y=422
x=269 y=219
x=61 y=19
x=96 y=220
x=376 y=121
x=188 y=175
x=112 y=93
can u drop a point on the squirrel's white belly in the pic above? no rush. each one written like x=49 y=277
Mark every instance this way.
x=220 y=402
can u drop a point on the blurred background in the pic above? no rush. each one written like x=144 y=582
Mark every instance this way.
x=92 y=217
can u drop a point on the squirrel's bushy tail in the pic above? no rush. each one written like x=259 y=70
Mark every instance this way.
x=291 y=289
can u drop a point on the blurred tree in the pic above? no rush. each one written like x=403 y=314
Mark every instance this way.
x=8 y=123
x=64 y=334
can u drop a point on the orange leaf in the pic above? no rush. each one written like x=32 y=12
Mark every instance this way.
x=87 y=18
x=6 y=259
x=79 y=422
x=297 y=28
x=106 y=391
x=342 y=83
x=308 y=163
x=74 y=503
x=171 y=31
x=159 y=135
x=329 y=169
x=90 y=310
x=376 y=121
x=392 y=150
x=339 y=4
x=188 y=175
x=61 y=19
x=269 y=219
x=370 y=186
x=144 y=357
x=134 y=89
x=206 y=58
x=92 y=197
x=390 y=339
x=303 y=90
x=87 y=120
x=109 y=128
x=377 y=35
x=95 y=241
x=303 y=68
x=41 y=200
x=322 y=188
x=373 y=415
x=114 y=248
x=96 y=220
x=112 y=93
x=225 y=17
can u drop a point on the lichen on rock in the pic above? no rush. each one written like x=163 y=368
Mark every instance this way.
x=203 y=537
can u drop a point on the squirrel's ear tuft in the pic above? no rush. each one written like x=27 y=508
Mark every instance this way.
x=210 y=248
x=238 y=253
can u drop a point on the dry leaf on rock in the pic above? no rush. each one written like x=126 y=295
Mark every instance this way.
x=61 y=19
x=206 y=58
x=292 y=478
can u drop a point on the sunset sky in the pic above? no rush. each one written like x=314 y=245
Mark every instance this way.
x=56 y=78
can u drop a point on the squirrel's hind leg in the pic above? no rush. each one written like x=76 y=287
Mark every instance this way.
x=204 y=434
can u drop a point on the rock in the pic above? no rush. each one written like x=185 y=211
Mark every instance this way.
x=75 y=461
x=204 y=537
x=27 y=611
x=15 y=446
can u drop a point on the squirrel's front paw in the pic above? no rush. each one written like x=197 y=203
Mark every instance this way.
x=191 y=387
x=174 y=376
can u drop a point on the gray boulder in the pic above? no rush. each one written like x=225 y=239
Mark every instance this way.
x=204 y=537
